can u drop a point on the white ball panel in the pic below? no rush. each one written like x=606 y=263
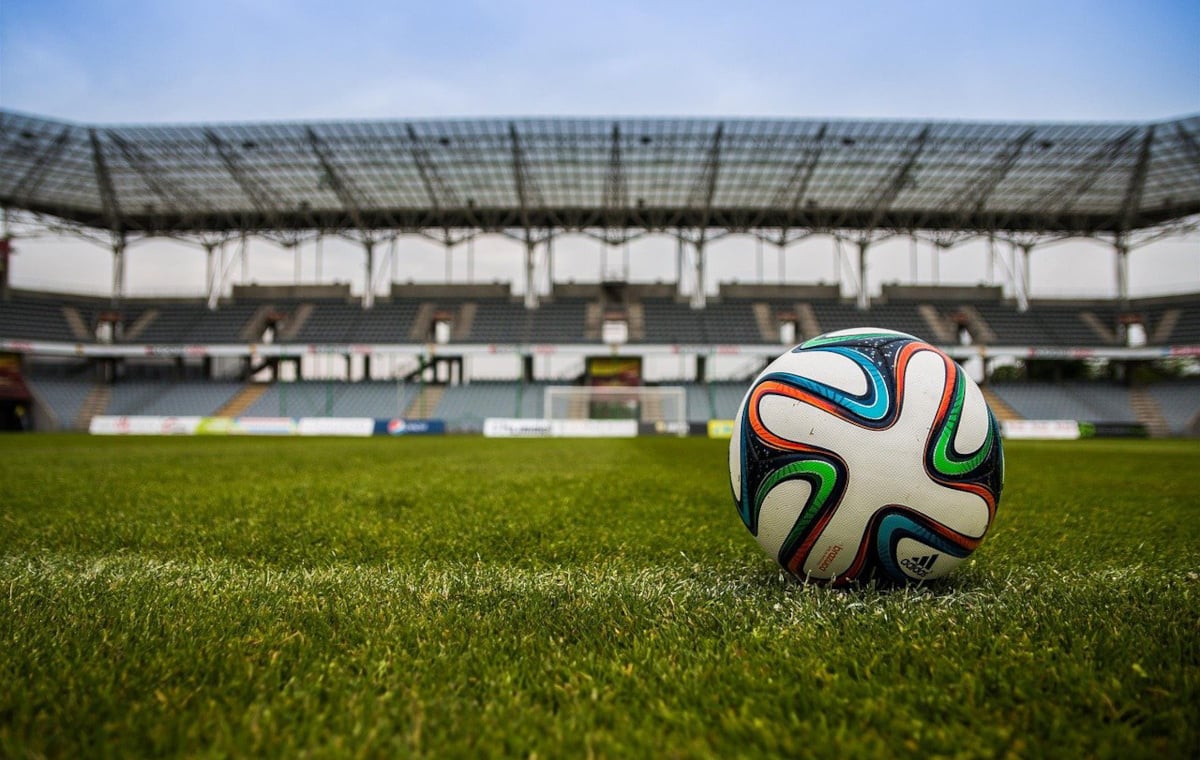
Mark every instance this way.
x=780 y=510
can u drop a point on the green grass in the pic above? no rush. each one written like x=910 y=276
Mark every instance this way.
x=467 y=597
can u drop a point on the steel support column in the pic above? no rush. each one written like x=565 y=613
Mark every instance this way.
x=531 y=296
x=698 y=297
x=1021 y=275
x=222 y=274
x=679 y=253
x=864 y=299
x=368 y=299
x=471 y=259
x=211 y=269
x=318 y=256
x=118 y=286
x=1121 y=248
x=991 y=280
x=245 y=259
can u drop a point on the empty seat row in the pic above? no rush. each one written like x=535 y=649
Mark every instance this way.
x=663 y=320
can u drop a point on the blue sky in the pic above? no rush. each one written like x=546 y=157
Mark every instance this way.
x=267 y=59
x=221 y=60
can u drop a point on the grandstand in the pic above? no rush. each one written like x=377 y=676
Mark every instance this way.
x=410 y=352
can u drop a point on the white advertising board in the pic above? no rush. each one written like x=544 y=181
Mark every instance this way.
x=594 y=428
x=510 y=427
x=143 y=425
x=1059 y=430
x=347 y=426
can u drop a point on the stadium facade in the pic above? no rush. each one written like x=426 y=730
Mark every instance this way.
x=696 y=180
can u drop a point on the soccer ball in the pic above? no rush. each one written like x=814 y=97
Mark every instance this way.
x=863 y=454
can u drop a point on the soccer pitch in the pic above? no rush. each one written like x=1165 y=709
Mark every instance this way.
x=473 y=597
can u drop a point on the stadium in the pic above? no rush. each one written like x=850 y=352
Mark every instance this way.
x=307 y=518
x=398 y=350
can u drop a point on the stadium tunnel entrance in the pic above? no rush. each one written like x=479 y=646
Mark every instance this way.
x=15 y=416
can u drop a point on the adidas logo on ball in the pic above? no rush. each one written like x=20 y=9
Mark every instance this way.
x=919 y=566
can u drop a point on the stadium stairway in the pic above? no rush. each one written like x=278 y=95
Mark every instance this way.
x=635 y=320
x=593 y=321
x=1162 y=331
x=1000 y=408
x=810 y=326
x=977 y=326
x=96 y=402
x=143 y=320
x=765 y=319
x=465 y=321
x=1149 y=413
x=942 y=330
x=295 y=321
x=425 y=402
x=79 y=330
x=1103 y=331
x=242 y=400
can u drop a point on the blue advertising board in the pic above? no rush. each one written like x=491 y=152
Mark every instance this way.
x=398 y=426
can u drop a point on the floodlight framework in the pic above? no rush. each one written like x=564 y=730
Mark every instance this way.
x=535 y=179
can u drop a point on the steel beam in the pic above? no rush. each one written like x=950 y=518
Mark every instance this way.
x=108 y=194
x=886 y=192
x=1190 y=144
x=348 y=195
x=616 y=190
x=440 y=193
x=975 y=199
x=521 y=181
x=795 y=190
x=176 y=198
x=702 y=196
x=32 y=179
x=705 y=188
x=256 y=190
x=1061 y=201
x=1137 y=183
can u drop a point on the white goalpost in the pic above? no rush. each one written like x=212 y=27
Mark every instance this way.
x=664 y=406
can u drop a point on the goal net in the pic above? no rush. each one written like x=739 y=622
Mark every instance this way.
x=663 y=406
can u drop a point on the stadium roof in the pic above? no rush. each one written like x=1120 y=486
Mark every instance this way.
x=656 y=174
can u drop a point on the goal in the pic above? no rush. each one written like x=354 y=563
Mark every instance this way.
x=663 y=406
